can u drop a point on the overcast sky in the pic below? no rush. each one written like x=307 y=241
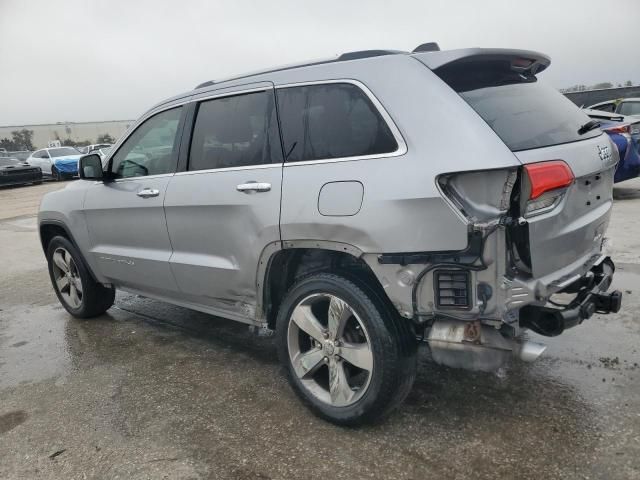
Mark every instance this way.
x=85 y=60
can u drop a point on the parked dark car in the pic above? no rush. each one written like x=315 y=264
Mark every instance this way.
x=14 y=172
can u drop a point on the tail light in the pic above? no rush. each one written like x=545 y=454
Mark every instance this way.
x=626 y=128
x=547 y=182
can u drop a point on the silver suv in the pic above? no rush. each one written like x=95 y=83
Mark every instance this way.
x=354 y=206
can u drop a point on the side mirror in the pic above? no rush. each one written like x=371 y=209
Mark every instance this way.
x=90 y=167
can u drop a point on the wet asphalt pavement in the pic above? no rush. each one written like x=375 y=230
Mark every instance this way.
x=150 y=390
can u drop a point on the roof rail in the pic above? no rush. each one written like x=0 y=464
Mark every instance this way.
x=427 y=47
x=208 y=83
x=366 y=54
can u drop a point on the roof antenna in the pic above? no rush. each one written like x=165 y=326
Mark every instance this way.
x=427 y=47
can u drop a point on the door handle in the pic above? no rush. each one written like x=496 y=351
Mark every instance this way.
x=252 y=187
x=148 y=192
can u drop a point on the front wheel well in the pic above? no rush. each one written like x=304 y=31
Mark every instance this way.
x=289 y=265
x=49 y=230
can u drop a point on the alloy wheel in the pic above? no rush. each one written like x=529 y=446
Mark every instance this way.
x=330 y=350
x=67 y=277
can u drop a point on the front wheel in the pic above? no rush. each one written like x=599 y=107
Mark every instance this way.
x=349 y=356
x=56 y=176
x=76 y=289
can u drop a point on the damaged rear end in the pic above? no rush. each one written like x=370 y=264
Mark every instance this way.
x=535 y=257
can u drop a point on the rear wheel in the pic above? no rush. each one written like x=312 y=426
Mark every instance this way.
x=76 y=289
x=348 y=355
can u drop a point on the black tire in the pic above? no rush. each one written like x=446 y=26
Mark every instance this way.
x=96 y=298
x=392 y=343
x=56 y=176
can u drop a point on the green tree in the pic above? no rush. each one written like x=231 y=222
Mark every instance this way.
x=602 y=85
x=105 y=138
x=20 y=140
x=628 y=83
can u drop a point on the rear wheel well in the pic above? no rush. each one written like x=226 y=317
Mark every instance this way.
x=289 y=265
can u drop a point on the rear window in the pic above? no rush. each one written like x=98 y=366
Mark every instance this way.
x=332 y=120
x=630 y=108
x=63 y=152
x=524 y=112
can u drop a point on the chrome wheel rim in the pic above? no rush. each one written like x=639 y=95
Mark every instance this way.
x=67 y=277
x=330 y=350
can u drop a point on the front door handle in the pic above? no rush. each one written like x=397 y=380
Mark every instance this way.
x=148 y=192
x=251 y=187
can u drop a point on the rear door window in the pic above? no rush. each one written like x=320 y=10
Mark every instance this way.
x=524 y=112
x=333 y=120
x=235 y=131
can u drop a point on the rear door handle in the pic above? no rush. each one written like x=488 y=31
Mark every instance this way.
x=251 y=187
x=148 y=192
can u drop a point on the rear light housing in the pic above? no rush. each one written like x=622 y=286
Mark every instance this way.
x=547 y=183
x=625 y=128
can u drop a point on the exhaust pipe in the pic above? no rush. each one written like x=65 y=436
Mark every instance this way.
x=472 y=346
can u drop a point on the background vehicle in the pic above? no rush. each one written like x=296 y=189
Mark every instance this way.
x=21 y=155
x=625 y=134
x=103 y=152
x=623 y=106
x=343 y=219
x=58 y=163
x=14 y=172
x=93 y=147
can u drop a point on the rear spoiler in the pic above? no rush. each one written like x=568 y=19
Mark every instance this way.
x=521 y=60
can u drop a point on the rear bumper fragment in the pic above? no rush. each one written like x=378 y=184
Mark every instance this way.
x=591 y=298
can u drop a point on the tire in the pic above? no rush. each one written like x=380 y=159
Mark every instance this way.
x=318 y=358
x=56 y=176
x=91 y=298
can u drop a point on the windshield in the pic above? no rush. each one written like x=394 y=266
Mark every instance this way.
x=630 y=108
x=524 y=112
x=63 y=152
x=4 y=162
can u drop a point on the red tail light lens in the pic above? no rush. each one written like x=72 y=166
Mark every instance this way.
x=546 y=176
x=618 y=129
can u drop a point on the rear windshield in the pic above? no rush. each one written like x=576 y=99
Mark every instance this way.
x=524 y=112
x=63 y=152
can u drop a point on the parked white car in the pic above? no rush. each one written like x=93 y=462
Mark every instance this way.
x=622 y=106
x=59 y=163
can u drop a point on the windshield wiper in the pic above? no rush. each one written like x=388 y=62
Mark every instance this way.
x=587 y=127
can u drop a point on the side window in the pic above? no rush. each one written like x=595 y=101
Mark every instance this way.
x=41 y=154
x=151 y=149
x=607 y=107
x=331 y=120
x=235 y=131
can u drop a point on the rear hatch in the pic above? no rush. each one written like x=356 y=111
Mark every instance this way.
x=539 y=124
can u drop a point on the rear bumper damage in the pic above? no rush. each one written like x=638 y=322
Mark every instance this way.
x=474 y=345
x=591 y=297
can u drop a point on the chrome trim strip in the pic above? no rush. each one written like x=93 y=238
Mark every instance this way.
x=142 y=177
x=401 y=150
x=230 y=169
x=190 y=99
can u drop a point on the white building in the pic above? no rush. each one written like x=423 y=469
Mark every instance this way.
x=76 y=131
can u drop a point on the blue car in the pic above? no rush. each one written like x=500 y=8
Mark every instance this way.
x=625 y=134
x=57 y=162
